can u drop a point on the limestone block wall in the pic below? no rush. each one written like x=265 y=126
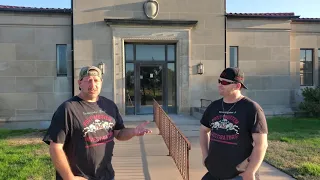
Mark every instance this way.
x=305 y=35
x=264 y=56
x=94 y=42
x=30 y=89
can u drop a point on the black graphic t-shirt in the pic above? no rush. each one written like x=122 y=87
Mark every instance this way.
x=86 y=130
x=231 y=140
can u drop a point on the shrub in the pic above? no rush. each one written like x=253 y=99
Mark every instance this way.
x=311 y=103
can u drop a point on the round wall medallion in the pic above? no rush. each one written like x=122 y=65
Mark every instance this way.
x=151 y=9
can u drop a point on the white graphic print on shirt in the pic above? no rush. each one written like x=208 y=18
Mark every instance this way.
x=225 y=129
x=98 y=129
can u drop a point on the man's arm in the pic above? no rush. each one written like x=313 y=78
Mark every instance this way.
x=204 y=141
x=60 y=162
x=128 y=133
x=258 y=152
x=124 y=134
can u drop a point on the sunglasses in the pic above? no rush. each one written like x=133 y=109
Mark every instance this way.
x=223 y=82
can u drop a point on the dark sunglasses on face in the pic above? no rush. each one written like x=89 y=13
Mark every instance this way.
x=223 y=82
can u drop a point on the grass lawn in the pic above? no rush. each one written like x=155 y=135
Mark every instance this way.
x=24 y=156
x=294 y=146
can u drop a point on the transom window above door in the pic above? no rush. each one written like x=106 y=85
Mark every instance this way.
x=150 y=52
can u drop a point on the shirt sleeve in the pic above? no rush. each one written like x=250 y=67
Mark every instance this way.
x=59 y=127
x=119 y=121
x=260 y=122
x=205 y=120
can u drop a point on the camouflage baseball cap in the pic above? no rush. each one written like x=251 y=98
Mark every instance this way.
x=90 y=71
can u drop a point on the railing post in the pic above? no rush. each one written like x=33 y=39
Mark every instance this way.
x=154 y=111
x=187 y=162
x=170 y=139
x=160 y=120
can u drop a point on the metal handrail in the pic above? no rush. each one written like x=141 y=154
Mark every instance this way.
x=178 y=145
x=208 y=102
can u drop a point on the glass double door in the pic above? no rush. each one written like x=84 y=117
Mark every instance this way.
x=148 y=83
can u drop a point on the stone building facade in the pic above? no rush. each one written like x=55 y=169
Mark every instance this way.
x=152 y=49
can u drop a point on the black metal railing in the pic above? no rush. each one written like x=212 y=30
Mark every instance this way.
x=205 y=103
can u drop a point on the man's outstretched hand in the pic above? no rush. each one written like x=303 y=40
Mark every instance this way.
x=140 y=130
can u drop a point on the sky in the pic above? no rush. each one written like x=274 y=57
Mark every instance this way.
x=304 y=8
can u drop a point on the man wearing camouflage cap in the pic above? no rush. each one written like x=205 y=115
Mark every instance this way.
x=82 y=131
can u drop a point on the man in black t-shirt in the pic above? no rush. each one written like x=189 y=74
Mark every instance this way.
x=82 y=131
x=233 y=132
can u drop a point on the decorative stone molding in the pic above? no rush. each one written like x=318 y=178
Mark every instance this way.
x=147 y=22
x=145 y=34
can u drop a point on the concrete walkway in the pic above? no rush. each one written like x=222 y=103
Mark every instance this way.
x=190 y=127
x=144 y=158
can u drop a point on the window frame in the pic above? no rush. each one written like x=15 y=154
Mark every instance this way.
x=312 y=65
x=166 y=60
x=237 y=60
x=58 y=60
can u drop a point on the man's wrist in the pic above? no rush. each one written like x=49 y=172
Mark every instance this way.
x=249 y=171
x=70 y=177
x=135 y=132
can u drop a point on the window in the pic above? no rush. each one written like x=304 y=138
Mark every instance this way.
x=233 y=56
x=146 y=52
x=61 y=60
x=306 y=67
